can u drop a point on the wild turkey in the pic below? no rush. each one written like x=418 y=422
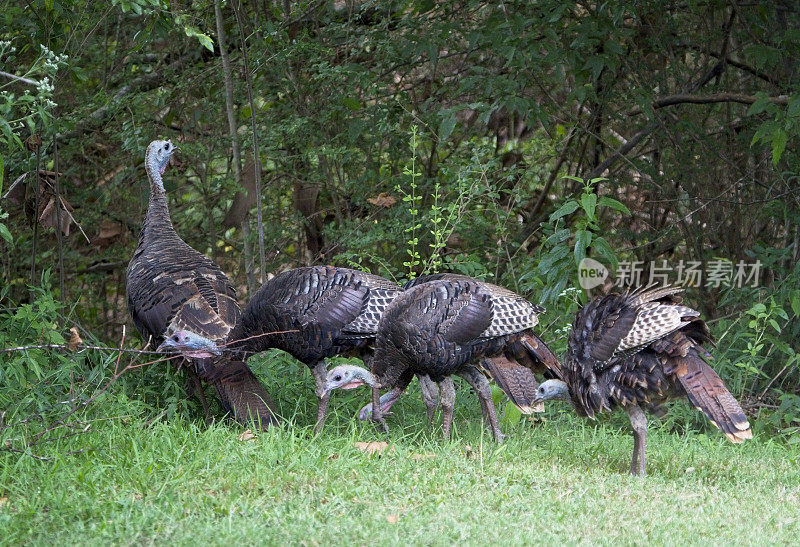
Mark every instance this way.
x=440 y=328
x=181 y=300
x=313 y=313
x=517 y=381
x=639 y=349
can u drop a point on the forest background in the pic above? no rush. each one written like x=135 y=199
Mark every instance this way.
x=505 y=140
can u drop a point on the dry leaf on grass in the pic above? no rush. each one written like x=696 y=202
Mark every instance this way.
x=247 y=435
x=468 y=453
x=3 y=501
x=74 y=339
x=383 y=200
x=418 y=457
x=392 y=519
x=373 y=447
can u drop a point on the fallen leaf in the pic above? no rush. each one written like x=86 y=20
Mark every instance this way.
x=383 y=200
x=74 y=339
x=418 y=457
x=49 y=216
x=3 y=501
x=247 y=436
x=109 y=230
x=392 y=519
x=538 y=407
x=468 y=453
x=373 y=447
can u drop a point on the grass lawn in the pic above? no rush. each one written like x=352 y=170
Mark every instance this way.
x=558 y=479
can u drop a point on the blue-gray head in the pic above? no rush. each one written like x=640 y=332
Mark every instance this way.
x=348 y=377
x=156 y=159
x=551 y=390
x=190 y=345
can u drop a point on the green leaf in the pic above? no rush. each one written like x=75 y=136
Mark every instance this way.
x=447 y=125
x=612 y=203
x=511 y=415
x=204 y=39
x=5 y=234
x=793 y=109
x=603 y=250
x=567 y=209
x=589 y=204
x=582 y=240
x=759 y=105
x=558 y=237
x=352 y=103
x=795 y=301
x=779 y=138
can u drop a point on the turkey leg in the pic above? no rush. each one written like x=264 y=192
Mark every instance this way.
x=481 y=386
x=320 y=371
x=639 y=425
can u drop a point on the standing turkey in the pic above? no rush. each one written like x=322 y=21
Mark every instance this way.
x=639 y=349
x=442 y=327
x=516 y=380
x=180 y=299
x=313 y=313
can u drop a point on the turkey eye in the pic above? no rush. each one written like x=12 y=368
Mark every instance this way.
x=337 y=378
x=166 y=146
x=176 y=338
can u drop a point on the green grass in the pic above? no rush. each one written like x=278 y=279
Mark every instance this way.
x=557 y=479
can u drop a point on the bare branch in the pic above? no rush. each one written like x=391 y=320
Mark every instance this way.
x=19 y=78
x=687 y=98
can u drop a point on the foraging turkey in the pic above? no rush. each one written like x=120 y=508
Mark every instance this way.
x=181 y=300
x=638 y=349
x=442 y=327
x=313 y=313
x=517 y=381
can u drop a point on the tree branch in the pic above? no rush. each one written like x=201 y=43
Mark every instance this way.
x=19 y=78
x=142 y=83
x=714 y=72
x=687 y=98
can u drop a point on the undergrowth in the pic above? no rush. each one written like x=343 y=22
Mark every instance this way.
x=139 y=477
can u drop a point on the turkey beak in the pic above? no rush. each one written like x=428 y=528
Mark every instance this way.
x=166 y=346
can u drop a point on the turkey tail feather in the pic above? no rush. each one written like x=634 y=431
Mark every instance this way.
x=516 y=381
x=241 y=394
x=707 y=393
x=539 y=352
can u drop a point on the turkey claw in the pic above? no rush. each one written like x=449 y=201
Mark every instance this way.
x=380 y=421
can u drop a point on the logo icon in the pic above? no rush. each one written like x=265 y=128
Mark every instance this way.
x=591 y=273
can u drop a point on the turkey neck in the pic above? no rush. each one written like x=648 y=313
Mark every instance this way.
x=157 y=223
